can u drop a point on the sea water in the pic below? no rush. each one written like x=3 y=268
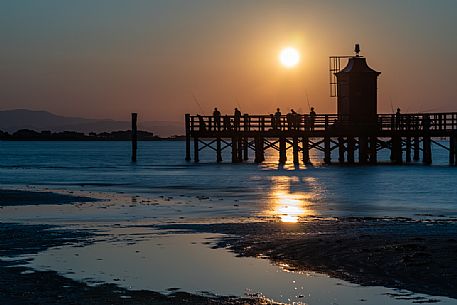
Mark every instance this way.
x=383 y=190
x=210 y=192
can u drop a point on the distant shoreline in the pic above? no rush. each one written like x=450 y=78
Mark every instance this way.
x=121 y=135
x=92 y=140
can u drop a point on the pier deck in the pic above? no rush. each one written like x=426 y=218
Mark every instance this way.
x=406 y=135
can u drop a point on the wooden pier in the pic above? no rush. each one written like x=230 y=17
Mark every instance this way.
x=409 y=137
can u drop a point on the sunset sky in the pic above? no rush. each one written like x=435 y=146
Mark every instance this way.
x=107 y=58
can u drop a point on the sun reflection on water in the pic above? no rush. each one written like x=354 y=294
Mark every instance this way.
x=289 y=206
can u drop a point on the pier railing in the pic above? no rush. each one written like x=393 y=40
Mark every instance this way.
x=322 y=122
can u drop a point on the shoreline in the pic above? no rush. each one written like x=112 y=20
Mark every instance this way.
x=398 y=252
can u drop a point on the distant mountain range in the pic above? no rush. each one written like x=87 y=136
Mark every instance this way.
x=13 y=120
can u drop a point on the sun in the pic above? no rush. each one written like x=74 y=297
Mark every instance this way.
x=289 y=57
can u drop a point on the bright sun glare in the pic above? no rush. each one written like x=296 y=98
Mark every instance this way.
x=289 y=57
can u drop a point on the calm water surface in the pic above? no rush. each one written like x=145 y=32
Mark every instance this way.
x=265 y=189
x=162 y=187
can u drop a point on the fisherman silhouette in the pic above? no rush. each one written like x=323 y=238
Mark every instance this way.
x=312 y=118
x=290 y=119
x=201 y=122
x=217 y=119
x=237 y=120
x=273 y=121
x=278 y=119
x=227 y=123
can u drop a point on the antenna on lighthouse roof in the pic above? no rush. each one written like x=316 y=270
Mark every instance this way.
x=357 y=49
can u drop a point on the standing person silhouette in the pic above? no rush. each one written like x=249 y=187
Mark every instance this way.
x=237 y=119
x=398 y=119
x=201 y=123
x=227 y=123
x=290 y=119
x=217 y=119
x=312 y=118
x=278 y=119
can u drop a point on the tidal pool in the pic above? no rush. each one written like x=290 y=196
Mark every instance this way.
x=167 y=261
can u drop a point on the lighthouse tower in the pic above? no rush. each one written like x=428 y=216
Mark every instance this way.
x=357 y=92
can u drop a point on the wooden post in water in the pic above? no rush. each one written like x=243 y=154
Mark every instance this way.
x=234 y=150
x=454 y=137
x=341 y=150
x=218 y=150
x=134 y=136
x=452 y=152
x=363 y=149
x=196 y=150
x=305 y=149
x=257 y=158
x=259 y=153
x=350 y=149
x=373 y=150
x=327 y=151
x=455 y=148
x=247 y=127
x=240 y=149
x=427 y=150
x=416 y=148
x=295 y=149
x=282 y=150
x=187 y=137
x=408 y=149
x=245 y=148
x=396 y=152
x=261 y=149
x=426 y=141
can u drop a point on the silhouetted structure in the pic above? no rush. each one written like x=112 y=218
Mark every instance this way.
x=355 y=127
x=357 y=93
x=134 y=136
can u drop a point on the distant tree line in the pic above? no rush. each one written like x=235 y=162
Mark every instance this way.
x=46 y=135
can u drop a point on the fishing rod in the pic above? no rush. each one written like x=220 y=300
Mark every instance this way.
x=198 y=103
x=307 y=100
x=391 y=106
x=237 y=103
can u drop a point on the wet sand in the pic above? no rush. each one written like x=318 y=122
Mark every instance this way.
x=19 y=197
x=417 y=255
x=22 y=285
x=420 y=256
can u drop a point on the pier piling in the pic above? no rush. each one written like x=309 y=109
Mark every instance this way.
x=234 y=150
x=218 y=150
x=196 y=151
x=295 y=149
x=373 y=150
x=416 y=148
x=305 y=150
x=350 y=150
x=327 y=150
x=134 y=136
x=427 y=150
x=282 y=150
x=341 y=150
x=188 y=137
x=363 y=149
x=408 y=149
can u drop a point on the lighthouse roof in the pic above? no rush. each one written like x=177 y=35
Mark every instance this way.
x=357 y=64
